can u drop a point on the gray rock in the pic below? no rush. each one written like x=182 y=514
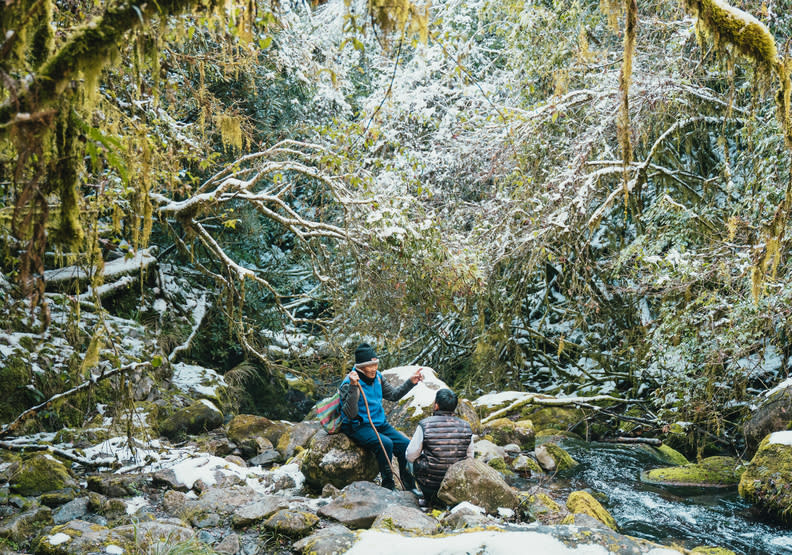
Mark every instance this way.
x=266 y=458
x=211 y=520
x=72 y=510
x=224 y=501
x=19 y=527
x=360 y=503
x=407 y=519
x=229 y=545
x=260 y=509
x=512 y=449
x=175 y=502
x=485 y=450
x=153 y=535
x=466 y=517
x=334 y=459
x=472 y=480
x=297 y=436
x=584 y=520
x=327 y=541
x=168 y=478
x=83 y=537
x=774 y=414
x=291 y=522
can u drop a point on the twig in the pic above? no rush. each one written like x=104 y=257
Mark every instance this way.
x=54 y=450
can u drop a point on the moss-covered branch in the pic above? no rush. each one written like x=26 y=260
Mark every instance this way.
x=87 y=51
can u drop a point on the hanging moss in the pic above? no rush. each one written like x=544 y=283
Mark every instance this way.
x=63 y=178
x=728 y=25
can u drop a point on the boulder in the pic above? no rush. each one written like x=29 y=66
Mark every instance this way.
x=360 y=503
x=39 y=474
x=525 y=465
x=20 y=527
x=582 y=502
x=583 y=520
x=407 y=520
x=77 y=536
x=466 y=515
x=540 y=506
x=243 y=430
x=224 y=501
x=335 y=459
x=74 y=509
x=466 y=411
x=266 y=458
x=201 y=416
x=230 y=545
x=296 y=437
x=553 y=458
x=115 y=485
x=261 y=508
x=712 y=472
x=767 y=478
x=472 y=480
x=774 y=414
x=327 y=541
x=291 y=522
x=485 y=451
x=418 y=403
x=505 y=431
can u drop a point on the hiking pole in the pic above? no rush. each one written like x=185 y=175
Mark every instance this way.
x=385 y=451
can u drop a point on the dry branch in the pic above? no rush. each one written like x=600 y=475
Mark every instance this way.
x=554 y=402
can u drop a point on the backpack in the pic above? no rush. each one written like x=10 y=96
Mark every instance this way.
x=328 y=411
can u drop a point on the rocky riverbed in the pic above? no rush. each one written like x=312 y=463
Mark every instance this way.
x=197 y=482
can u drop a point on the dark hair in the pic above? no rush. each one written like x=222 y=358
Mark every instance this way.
x=446 y=400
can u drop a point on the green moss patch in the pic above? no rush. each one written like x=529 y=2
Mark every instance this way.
x=767 y=480
x=712 y=472
x=584 y=503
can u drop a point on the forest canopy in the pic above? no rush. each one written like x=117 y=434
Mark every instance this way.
x=564 y=197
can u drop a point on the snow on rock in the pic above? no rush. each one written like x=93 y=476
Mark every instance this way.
x=135 y=504
x=59 y=538
x=781 y=438
x=423 y=394
x=783 y=385
x=197 y=379
x=497 y=399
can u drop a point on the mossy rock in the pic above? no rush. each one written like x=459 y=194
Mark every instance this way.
x=466 y=411
x=77 y=536
x=549 y=433
x=767 y=480
x=554 y=458
x=246 y=427
x=500 y=465
x=291 y=522
x=774 y=414
x=526 y=465
x=541 y=507
x=201 y=416
x=504 y=431
x=583 y=502
x=671 y=455
x=708 y=550
x=15 y=375
x=712 y=472
x=563 y=418
x=39 y=474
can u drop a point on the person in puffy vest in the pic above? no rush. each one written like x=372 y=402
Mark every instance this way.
x=439 y=441
x=355 y=421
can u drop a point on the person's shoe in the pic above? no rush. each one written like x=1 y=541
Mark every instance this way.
x=416 y=492
x=424 y=504
x=389 y=485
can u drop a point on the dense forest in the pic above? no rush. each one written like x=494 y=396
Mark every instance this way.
x=564 y=197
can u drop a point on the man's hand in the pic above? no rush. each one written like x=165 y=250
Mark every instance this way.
x=417 y=377
x=353 y=377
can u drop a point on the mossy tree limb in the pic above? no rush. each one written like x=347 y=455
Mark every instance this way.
x=625 y=77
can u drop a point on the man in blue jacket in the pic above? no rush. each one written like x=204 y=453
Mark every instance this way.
x=356 y=422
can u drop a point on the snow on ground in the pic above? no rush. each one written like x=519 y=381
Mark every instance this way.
x=191 y=378
x=483 y=543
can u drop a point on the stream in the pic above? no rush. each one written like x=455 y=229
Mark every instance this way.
x=689 y=516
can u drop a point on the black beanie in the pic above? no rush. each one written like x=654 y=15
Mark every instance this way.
x=364 y=353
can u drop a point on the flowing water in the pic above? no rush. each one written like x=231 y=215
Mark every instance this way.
x=688 y=517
